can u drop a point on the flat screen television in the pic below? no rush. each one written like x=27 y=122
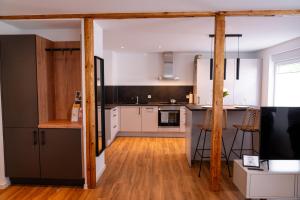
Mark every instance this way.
x=280 y=133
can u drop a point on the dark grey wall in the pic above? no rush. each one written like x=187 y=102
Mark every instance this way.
x=127 y=94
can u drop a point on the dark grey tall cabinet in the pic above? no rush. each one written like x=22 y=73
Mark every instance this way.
x=19 y=105
x=32 y=153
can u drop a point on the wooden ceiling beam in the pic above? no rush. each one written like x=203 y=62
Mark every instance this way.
x=260 y=13
x=113 y=15
x=145 y=15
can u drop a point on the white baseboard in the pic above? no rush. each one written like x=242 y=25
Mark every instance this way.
x=4 y=183
x=156 y=134
x=99 y=174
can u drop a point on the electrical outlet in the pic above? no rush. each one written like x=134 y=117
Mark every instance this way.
x=149 y=96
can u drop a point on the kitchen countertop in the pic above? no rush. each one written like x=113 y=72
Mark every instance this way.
x=194 y=107
x=111 y=106
x=60 y=124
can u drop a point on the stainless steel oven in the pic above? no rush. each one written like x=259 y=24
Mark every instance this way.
x=169 y=116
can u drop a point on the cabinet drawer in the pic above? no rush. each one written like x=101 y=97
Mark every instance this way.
x=272 y=186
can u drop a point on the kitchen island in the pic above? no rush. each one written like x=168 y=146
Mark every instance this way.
x=195 y=116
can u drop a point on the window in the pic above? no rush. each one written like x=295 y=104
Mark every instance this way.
x=287 y=83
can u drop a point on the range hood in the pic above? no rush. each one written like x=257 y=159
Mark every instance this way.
x=168 y=68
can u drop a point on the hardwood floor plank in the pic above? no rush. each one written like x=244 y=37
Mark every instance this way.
x=139 y=168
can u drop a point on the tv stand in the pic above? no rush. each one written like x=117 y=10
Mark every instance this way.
x=266 y=184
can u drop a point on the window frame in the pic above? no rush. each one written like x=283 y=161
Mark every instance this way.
x=276 y=65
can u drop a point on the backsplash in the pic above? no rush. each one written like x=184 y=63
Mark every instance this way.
x=127 y=94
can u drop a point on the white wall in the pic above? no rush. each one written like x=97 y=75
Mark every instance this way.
x=51 y=34
x=124 y=68
x=268 y=67
x=98 y=51
x=145 y=68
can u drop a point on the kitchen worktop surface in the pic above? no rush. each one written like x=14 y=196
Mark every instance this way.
x=111 y=106
x=194 y=107
x=61 y=124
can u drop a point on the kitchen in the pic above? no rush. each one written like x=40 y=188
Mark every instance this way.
x=154 y=89
x=141 y=78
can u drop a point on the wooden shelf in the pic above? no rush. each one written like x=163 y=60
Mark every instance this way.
x=61 y=124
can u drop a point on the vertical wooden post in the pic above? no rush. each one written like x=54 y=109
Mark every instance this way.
x=90 y=102
x=217 y=113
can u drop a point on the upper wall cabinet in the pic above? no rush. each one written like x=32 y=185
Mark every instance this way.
x=19 y=82
x=245 y=91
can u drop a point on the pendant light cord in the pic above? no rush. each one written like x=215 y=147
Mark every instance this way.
x=238 y=47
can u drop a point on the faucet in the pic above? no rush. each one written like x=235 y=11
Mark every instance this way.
x=137 y=100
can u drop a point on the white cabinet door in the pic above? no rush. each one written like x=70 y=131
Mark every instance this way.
x=247 y=88
x=131 y=119
x=204 y=84
x=229 y=81
x=114 y=117
x=149 y=118
x=182 y=119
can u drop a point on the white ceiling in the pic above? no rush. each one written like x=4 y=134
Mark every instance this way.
x=181 y=35
x=46 y=24
x=152 y=35
x=14 y=7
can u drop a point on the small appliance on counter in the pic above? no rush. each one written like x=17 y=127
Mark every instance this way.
x=172 y=101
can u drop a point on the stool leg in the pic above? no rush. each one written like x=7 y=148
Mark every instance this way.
x=199 y=138
x=226 y=158
x=237 y=130
x=241 y=150
x=203 y=146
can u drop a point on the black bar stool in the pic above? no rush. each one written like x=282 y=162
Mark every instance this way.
x=250 y=125
x=206 y=127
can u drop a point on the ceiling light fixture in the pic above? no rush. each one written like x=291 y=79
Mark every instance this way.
x=238 y=61
x=211 y=66
x=159 y=46
x=122 y=47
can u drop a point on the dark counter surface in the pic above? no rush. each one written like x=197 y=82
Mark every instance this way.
x=111 y=106
x=194 y=107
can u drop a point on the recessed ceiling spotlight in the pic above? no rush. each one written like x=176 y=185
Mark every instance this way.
x=159 y=46
x=122 y=47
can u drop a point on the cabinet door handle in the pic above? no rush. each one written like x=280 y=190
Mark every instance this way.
x=35 y=138
x=43 y=138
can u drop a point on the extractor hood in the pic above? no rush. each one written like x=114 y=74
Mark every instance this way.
x=168 y=68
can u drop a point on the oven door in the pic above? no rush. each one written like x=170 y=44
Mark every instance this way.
x=169 y=118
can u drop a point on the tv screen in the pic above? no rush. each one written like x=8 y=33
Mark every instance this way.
x=280 y=133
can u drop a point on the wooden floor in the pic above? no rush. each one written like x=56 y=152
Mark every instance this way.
x=139 y=169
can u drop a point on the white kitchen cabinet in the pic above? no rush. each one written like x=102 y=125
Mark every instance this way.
x=112 y=125
x=131 y=120
x=149 y=119
x=204 y=85
x=182 y=119
x=247 y=88
x=245 y=91
x=229 y=81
